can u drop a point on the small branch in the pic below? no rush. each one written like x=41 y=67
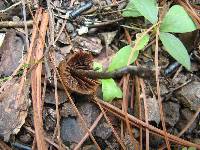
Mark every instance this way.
x=11 y=7
x=102 y=24
x=133 y=70
x=17 y=24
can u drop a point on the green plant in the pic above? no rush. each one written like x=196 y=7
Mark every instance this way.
x=176 y=20
x=23 y=67
x=4 y=79
x=190 y=148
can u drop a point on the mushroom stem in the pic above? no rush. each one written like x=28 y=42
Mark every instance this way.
x=142 y=72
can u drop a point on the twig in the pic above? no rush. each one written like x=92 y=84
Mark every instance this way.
x=189 y=123
x=57 y=109
x=134 y=121
x=138 y=100
x=158 y=92
x=133 y=70
x=125 y=108
x=138 y=41
x=61 y=30
x=27 y=61
x=125 y=100
x=191 y=11
x=11 y=7
x=107 y=119
x=36 y=86
x=96 y=25
x=91 y=129
x=15 y=24
x=46 y=139
x=25 y=26
x=74 y=106
x=187 y=126
x=145 y=112
x=25 y=22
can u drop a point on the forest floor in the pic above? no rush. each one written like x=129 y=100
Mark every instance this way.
x=93 y=74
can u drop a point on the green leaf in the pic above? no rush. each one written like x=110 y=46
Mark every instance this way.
x=143 y=42
x=177 y=20
x=184 y=148
x=148 y=8
x=192 y=148
x=97 y=66
x=121 y=57
x=130 y=10
x=176 y=49
x=110 y=90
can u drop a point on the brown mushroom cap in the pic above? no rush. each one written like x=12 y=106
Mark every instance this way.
x=79 y=84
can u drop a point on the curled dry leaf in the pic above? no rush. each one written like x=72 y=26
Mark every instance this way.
x=79 y=84
x=13 y=111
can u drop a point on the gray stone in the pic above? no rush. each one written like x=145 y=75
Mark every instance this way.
x=103 y=131
x=67 y=110
x=71 y=131
x=129 y=145
x=171 y=113
x=89 y=147
x=50 y=97
x=189 y=95
x=89 y=111
x=186 y=115
x=153 y=110
x=72 y=128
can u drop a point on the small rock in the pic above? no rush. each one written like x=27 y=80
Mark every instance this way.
x=163 y=89
x=155 y=141
x=49 y=119
x=66 y=50
x=92 y=44
x=112 y=144
x=108 y=37
x=128 y=144
x=67 y=110
x=136 y=133
x=89 y=147
x=171 y=113
x=15 y=18
x=103 y=131
x=89 y=111
x=59 y=58
x=180 y=79
x=153 y=110
x=63 y=38
x=82 y=30
x=50 y=97
x=26 y=138
x=71 y=131
x=189 y=95
x=186 y=115
x=69 y=27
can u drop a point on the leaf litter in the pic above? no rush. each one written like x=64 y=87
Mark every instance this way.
x=72 y=100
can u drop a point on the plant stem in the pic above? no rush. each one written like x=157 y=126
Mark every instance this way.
x=133 y=70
